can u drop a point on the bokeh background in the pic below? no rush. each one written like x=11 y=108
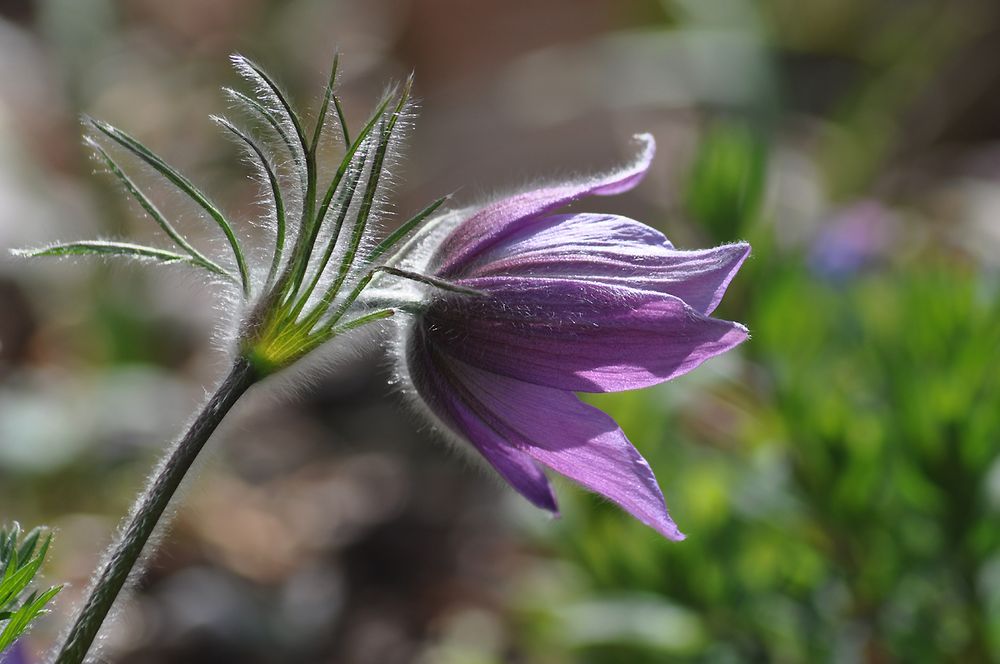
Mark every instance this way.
x=838 y=476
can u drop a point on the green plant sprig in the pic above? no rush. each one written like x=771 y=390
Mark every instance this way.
x=21 y=558
x=318 y=266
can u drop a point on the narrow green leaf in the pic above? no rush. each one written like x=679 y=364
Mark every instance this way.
x=43 y=550
x=279 y=205
x=27 y=548
x=327 y=95
x=8 y=545
x=344 y=205
x=342 y=119
x=152 y=210
x=314 y=340
x=19 y=580
x=428 y=280
x=20 y=620
x=39 y=603
x=254 y=107
x=8 y=541
x=252 y=71
x=185 y=185
x=103 y=247
x=8 y=583
x=375 y=171
x=369 y=198
x=307 y=241
x=348 y=159
x=108 y=248
x=359 y=321
x=404 y=230
x=21 y=564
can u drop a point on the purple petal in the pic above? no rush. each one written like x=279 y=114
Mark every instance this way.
x=572 y=438
x=496 y=221
x=576 y=335
x=448 y=400
x=613 y=250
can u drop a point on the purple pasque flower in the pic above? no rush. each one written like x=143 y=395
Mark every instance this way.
x=569 y=303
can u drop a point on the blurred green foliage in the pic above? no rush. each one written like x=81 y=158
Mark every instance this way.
x=840 y=506
x=839 y=478
x=725 y=186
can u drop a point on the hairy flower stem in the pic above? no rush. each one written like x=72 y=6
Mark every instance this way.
x=150 y=507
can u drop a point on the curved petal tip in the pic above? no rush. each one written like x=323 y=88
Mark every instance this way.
x=627 y=177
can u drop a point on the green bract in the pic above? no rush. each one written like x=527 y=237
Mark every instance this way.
x=321 y=256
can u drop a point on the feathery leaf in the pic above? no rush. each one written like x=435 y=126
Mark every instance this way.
x=344 y=205
x=110 y=248
x=152 y=210
x=266 y=85
x=364 y=210
x=306 y=243
x=185 y=185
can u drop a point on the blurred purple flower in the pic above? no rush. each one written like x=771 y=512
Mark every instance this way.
x=854 y=238
x=16 y=654
x=571 y=303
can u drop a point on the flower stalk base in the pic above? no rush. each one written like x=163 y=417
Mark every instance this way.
x=147 y=513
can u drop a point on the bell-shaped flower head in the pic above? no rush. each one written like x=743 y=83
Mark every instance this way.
x=566 y=303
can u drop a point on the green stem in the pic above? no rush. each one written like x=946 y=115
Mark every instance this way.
x=146 y=515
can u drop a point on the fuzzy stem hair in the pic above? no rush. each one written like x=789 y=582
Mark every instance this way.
x=126 y=552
